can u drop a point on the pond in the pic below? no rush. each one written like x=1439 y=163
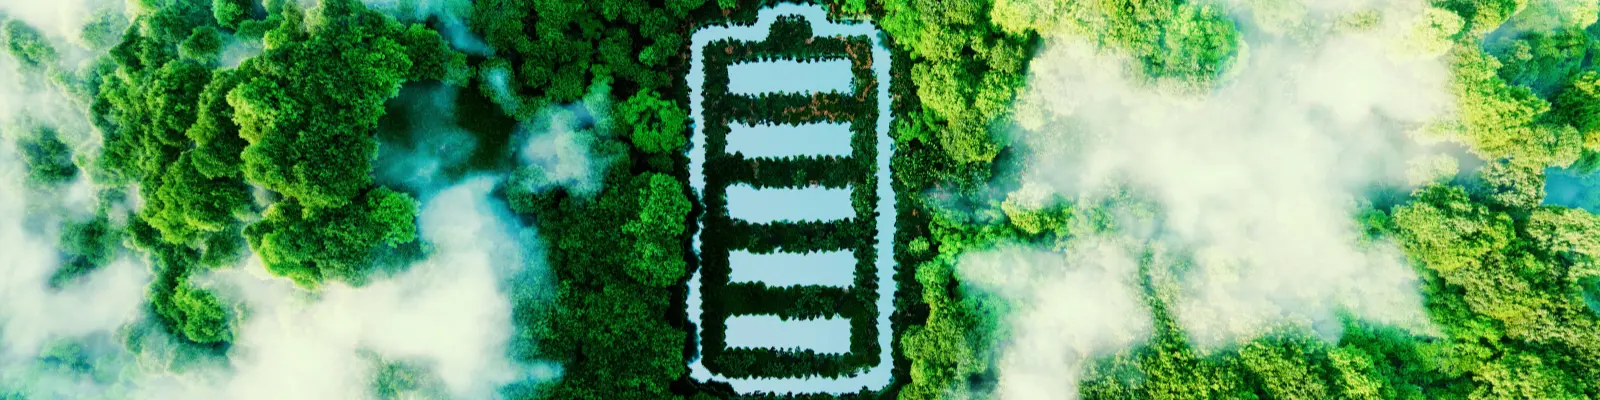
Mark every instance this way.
x=767 y=205
x=790 y=76
x=827 y=268
x=1563 y=187
x=779 y=141
x=824 y=335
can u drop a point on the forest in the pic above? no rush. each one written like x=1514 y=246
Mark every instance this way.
x=183 y=140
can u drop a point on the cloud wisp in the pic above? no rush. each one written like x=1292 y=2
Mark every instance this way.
x=1252 y=185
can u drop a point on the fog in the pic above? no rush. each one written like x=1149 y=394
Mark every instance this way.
x=450 y=313
x=448 y=319
x=1249 y=188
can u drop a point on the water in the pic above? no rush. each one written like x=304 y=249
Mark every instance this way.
x=779 y=141
x=768 y=205
x=876 y=376
x=825 y=336
x=1563 y=188
x=789 y=76
x=828 y=268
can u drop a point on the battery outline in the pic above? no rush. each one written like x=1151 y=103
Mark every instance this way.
x=874 y=377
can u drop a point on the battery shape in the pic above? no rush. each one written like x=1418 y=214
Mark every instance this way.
x=790 y=161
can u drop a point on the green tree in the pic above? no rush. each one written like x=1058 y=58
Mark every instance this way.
x=28 y=45
x=310 y=245
x=654 y=125
x=657 y=248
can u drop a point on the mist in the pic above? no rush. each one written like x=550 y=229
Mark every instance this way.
x=450 y=313
x=1251 y=188
x=447 y=322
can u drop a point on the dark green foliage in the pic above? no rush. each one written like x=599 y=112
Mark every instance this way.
x=49 y=160
x=104 y=29
x=85 y=246
x=297 y=121
x=608 y=326
x=1542 y=61
x=554 y=49
x=311 y=102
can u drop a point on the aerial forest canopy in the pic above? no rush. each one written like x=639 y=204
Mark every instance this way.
x=1075 y=180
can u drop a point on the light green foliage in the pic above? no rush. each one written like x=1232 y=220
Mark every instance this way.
x=949 y=348
x=310 y=244
x=231 y=13
x=1484 y=16
x=654 y=125
x=1498 y=119
x=395 y=380
x=657 y=252
x=205 y=44
x=1550 y=15
x=204 y=319
x=1431 y=33
x=1033 y=210
x=967 y=70
x=1513 y=185
x=1281 y=368
x=27 y=45
x=1448 y=231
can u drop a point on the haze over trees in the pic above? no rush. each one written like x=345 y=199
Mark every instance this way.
x=219 y=130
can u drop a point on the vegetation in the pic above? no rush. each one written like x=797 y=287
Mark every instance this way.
x=1508 y=280
x=275 y=156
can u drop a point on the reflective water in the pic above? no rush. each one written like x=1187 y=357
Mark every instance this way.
x=828 y=268
x=768 y=205
x=827 y=336
x=789 y=76
x=778 y=141
x=876 y=376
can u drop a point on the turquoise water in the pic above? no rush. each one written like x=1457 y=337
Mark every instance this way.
x=1564 y=188
x=779 y=141
x=789 y=76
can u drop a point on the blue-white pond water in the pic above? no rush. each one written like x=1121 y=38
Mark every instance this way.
x=768 y=205
x=828 y=268
x=813 y=77
x=789 y=76
x=778 y=141
x=828 y=336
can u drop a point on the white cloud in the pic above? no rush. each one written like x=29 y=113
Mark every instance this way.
x=1254 y=185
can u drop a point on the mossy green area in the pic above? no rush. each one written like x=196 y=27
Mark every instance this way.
x=210 y=132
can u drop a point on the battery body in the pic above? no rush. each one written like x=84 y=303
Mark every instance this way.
x=790 y=162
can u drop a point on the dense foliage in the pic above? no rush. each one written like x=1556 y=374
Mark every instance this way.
x=274 y=153
x=1510 y=281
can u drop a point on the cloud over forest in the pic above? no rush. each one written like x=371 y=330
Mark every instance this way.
x=1246 y=188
